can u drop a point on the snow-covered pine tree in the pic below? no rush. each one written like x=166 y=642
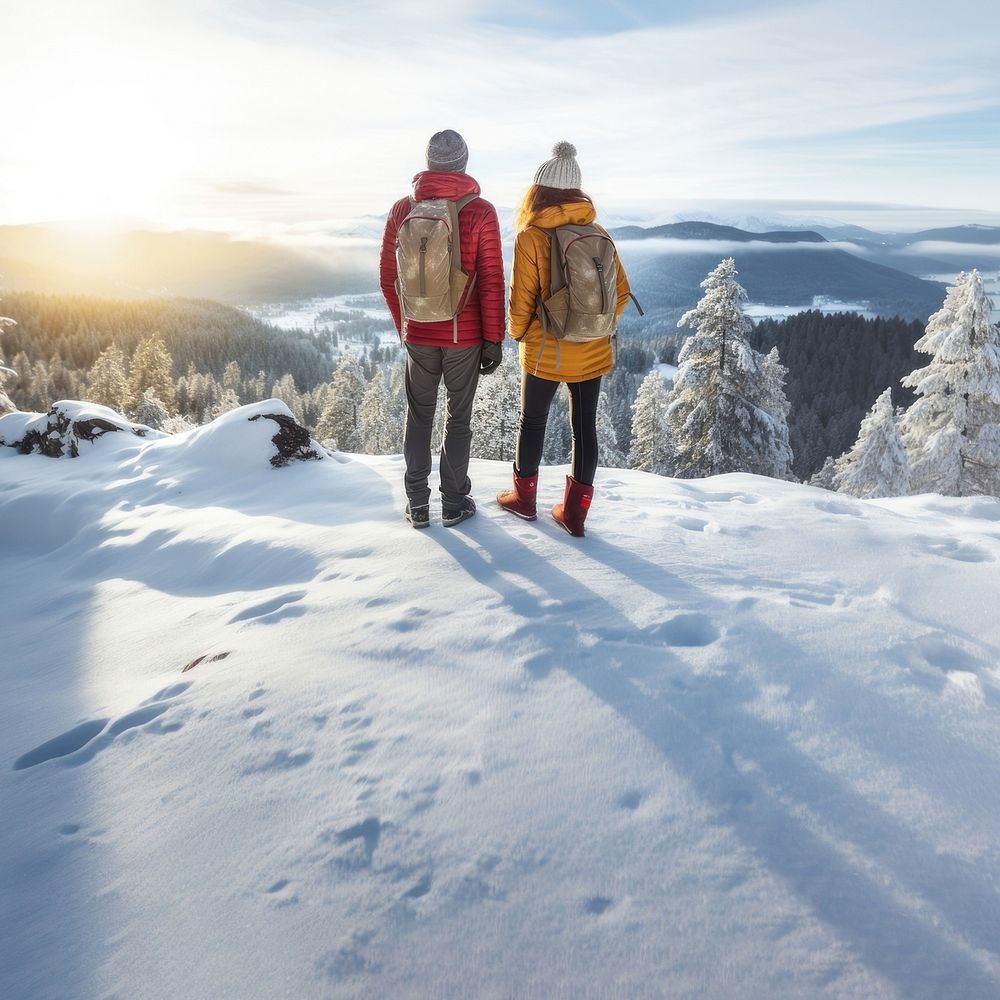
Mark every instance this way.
x=6 y=403
x=152 y=368
x=339 y=421
x=652 y=444
x=150 y=410
x=952 y=430
x=876 y=466
x=108 y=381
x=496 y=410
x=720 y=408
x=824 y=477
x=397 y=399
x=776 y=461
x=226 y=402
x=287 y=391
x=232 y=380
x=608 y=453
x=381 y=433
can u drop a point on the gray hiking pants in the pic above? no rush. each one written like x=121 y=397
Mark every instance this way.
x=424 y=368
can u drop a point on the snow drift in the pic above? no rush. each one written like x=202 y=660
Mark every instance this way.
x=743 y=740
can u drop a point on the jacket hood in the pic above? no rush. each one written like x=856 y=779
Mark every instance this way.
x=443 y=184
x=571 y=213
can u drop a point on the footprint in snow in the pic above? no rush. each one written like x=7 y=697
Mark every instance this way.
x=272 y=610
x=841 y=509
x=420 y=889
x=952 y=548
x=281 y=893
x=685 y=630
x=358 y=752
x=362 y=839
x=280 y=760
x=597 y=905
x=83 y=742
x=630 y=800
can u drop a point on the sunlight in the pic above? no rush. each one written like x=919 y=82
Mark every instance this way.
x=94 y=136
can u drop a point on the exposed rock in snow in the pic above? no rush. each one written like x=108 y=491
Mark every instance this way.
x=59 y=432
x=226 y=441
x=292 y=440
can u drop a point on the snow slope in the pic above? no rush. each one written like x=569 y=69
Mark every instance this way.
x=741 y=741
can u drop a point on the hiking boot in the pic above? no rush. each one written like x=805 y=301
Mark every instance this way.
x=521 y=499
x=452 y=515
x=572 y=512
x=419 y=517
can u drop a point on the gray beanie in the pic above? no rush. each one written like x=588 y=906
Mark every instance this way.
x=447 y=151
x=562 y=171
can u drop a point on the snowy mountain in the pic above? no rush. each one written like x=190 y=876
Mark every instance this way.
x=696 y=230
x=263 y=739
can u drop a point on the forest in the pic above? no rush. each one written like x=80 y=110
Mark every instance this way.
x=176 y=363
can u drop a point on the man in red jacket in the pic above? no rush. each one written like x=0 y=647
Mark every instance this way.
x=459 y=351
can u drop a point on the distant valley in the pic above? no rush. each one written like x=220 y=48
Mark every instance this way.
x=784 y=270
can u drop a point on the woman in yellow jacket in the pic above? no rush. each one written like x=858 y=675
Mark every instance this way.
x=555 y=199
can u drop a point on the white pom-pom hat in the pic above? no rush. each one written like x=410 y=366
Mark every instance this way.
x=562 y=171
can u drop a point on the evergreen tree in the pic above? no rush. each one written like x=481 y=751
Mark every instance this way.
x=5 y=401
x=286 y=390
x=232 y=379
x=495 y=411
x=608 y=452
x=720 y=409
x=877 y=465
x=397 y=399
x=380 y=433
x=824 y=478
x=152 y=368
x=339 y=420
x=226 y=402
x=557 y=447
x=776 y=460
x=652 y=445
x=150 y=411
x=42 y=390
x=108 y=382
x=952 y=430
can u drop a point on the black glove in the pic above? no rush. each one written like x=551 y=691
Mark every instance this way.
x=491 y=357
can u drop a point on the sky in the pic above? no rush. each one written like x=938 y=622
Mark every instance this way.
x=288 y=119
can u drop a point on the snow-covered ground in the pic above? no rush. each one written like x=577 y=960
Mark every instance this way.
x=741 y=741
x=305 y=314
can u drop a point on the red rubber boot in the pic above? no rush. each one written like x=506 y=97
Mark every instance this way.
x=521 y=499
x=572 y=512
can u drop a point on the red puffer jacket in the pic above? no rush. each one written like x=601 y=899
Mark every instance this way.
x=479 y=238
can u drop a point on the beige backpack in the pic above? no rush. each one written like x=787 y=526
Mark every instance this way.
x=431 y=283
x=583 y=286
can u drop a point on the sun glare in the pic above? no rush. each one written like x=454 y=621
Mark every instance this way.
x=92 y=141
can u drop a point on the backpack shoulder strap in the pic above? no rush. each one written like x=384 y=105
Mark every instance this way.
x=454 y=207
x=557 y=272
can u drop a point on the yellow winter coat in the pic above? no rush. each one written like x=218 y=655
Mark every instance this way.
x=578 y=362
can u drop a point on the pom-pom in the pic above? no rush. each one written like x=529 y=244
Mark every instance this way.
x=564 y=149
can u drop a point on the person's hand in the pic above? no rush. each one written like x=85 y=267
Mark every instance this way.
x=491 y=357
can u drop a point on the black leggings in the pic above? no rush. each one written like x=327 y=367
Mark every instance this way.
x=536 y=397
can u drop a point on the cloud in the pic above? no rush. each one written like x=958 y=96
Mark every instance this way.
x=335 y=102
x=931 y=248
